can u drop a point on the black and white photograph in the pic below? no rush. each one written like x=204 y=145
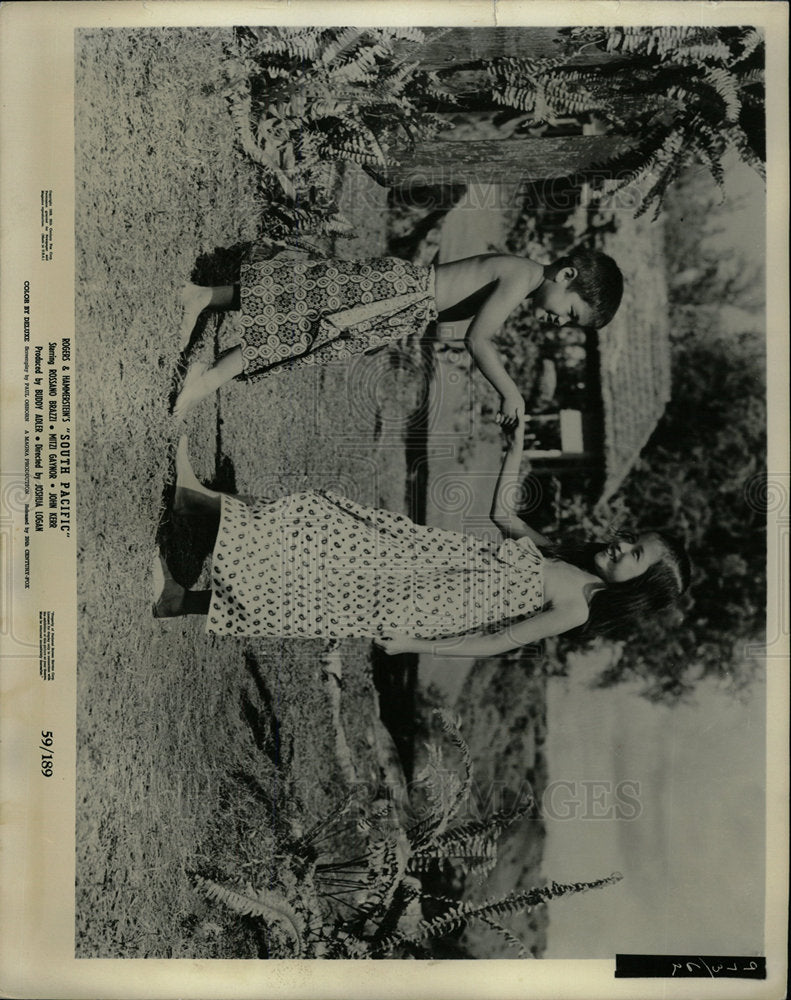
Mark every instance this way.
x=417 y=468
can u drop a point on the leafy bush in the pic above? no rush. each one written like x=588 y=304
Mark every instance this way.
x=705 y=477
x=306 y=100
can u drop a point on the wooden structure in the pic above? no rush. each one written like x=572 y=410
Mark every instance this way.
x=460 y=48
x=628 y=363
x=505 y=161
x=628 y=388
x=459 y=55
x=634 y=382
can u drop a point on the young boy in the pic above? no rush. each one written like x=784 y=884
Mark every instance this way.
x=582 y=289
x=296 y=313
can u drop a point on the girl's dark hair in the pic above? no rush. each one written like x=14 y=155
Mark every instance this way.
x=618 y=608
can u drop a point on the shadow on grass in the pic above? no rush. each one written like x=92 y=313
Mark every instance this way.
x=185 y=541
x=262 y=720
x=221 y=266
x=395 y=678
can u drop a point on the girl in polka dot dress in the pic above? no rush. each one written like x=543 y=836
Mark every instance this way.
x=315 y=564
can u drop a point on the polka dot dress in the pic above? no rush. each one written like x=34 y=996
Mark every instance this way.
x=305 y=312
x=317 y=564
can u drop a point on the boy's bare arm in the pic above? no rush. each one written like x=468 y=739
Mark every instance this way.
x=514 y=279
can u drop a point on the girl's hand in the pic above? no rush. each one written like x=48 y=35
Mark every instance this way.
x=515 y=433
x=512 y=408
x=396 y=644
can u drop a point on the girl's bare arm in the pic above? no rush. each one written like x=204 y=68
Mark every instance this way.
x=508 y=491
x=554 y=621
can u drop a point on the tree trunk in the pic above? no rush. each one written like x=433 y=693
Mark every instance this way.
x=506 y=161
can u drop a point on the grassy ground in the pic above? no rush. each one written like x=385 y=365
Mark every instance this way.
x=503 y=704
x=193 y=752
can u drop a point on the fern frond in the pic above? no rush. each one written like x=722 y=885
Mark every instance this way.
x=303 y=43
x=451 y=727
x=361 y=67
x=386 y=866
x=683 y=96
x=355 y=149
x=668 y=162
x=751 y=77
x=345 y=39
x=300 y=43
x=750 y=41
x=520 y=98
x=266 y=905
x=406 y=891
x=514 y=902
x=328 y=107
x=713 y=160
x=509 y=936
x=738 y=140
x=726 y=88
x=416 y=35
x=393 y=82
x=472 y=846
x=466 y=864
x=478 y=831
x=717 y=52
x=672 y=40
x=241 y=113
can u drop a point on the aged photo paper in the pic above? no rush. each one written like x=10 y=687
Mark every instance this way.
x=318 y=378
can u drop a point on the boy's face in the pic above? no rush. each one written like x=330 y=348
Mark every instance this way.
x=556 y=304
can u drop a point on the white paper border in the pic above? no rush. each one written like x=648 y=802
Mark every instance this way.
x=36 y=83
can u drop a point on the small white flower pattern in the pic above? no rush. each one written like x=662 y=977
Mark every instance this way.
x=316 y=564
x=306 y=312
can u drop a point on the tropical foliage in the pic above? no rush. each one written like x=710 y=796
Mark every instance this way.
x=687 y=95
x=307 y=100
x=370 y=905
x=710 y=485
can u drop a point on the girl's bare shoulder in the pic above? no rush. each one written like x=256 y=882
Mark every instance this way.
x=565 y=584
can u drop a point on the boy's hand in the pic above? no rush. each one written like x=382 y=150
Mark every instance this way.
x=512 y=410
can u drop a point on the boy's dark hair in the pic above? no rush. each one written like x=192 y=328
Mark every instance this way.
x=599 y=282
